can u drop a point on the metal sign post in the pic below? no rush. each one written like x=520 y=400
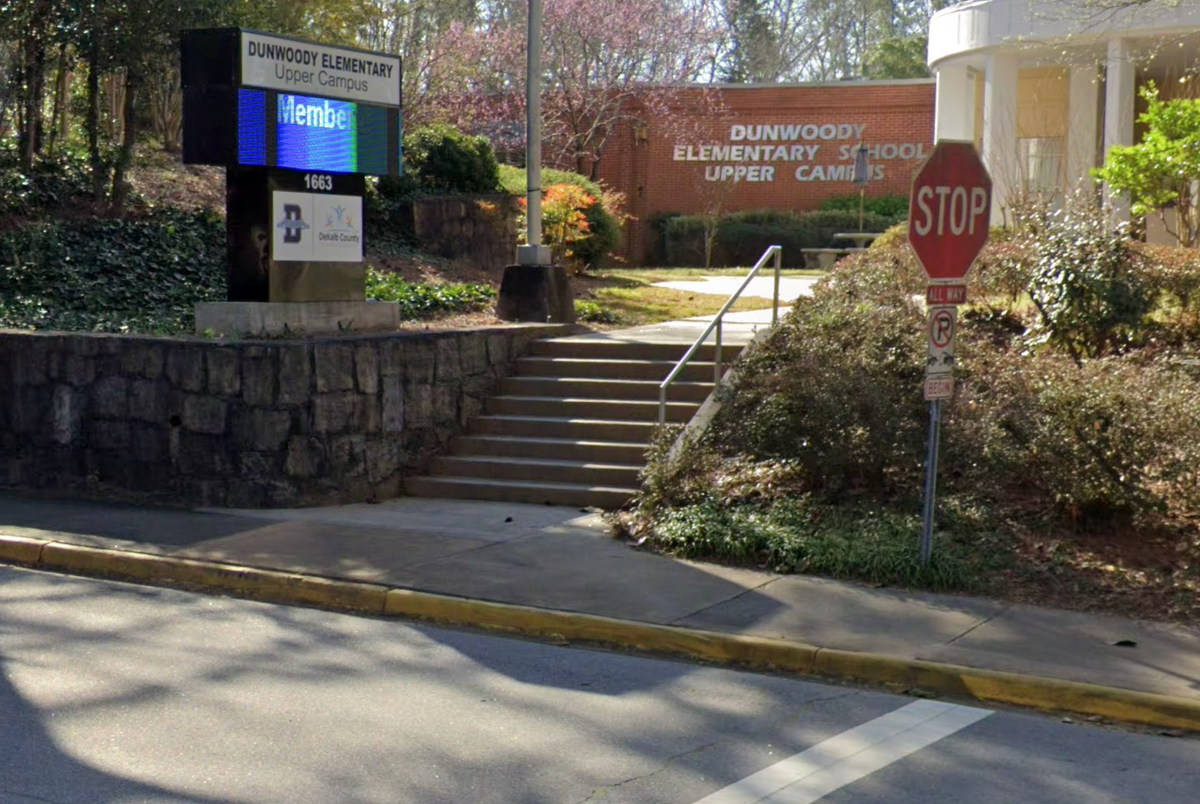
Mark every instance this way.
x=939 y=385
x=933 y=444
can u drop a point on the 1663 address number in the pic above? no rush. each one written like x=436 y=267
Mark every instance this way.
x=322 y=182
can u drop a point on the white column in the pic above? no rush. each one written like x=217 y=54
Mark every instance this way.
x=1083 y=106
x=954 y=108
x=1000 y=131
x=1118 y=111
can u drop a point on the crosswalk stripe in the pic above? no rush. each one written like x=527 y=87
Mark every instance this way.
x=847 y=757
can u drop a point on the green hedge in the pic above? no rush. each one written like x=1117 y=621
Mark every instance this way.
x=440 y=159
x=742 y=237
x=892 y=206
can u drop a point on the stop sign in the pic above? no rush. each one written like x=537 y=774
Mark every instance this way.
x=950 y=210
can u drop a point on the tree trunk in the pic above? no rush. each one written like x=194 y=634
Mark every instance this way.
x=115 y=90
x=92 y=123
x=166 y=107
x=710 y=241
x=58 y=117
x=120 y=181
x=35 y=82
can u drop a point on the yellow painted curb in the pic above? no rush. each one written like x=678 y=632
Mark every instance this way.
x=251 y=582
x=1016 y=689
x=591 y=628
x=1128 y=706
x=21 y=550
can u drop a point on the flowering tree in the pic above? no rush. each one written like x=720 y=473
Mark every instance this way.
x=605 y=62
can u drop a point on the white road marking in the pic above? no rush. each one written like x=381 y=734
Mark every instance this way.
x=818 y=771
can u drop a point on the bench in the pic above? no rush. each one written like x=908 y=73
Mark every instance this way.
x=822 y=259
x=859 y=239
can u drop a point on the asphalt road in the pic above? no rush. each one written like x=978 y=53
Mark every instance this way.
x=115 y=694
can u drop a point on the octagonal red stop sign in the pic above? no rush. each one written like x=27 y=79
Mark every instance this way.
x=949 y=210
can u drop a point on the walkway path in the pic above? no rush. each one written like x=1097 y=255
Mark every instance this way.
x=790 y=287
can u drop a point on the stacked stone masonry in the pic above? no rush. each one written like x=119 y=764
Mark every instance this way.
x=242 y=424
x=479 y=230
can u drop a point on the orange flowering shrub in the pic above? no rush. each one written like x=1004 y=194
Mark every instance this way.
x=564 y=222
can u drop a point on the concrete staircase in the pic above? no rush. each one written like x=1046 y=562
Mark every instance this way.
x=571 y=426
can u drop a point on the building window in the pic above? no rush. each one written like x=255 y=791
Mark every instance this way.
x=1041 y=165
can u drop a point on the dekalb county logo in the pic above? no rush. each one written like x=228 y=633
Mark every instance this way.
x=339 y=227
x=292 y=224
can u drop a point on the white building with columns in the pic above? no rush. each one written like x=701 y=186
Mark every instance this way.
x=1045 y=87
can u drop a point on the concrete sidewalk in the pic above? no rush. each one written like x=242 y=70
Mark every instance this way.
x=562 y=560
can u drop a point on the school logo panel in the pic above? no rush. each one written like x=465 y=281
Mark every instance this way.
x=310 y=227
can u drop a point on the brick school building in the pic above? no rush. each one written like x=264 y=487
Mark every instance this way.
x=778 y=146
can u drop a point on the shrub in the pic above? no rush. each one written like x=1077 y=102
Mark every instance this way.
x=683 y=241
x=48 y=187
x=1004 y=268
x=837 y=389
x=604 y=218
x=564 y=219
x=595 y=313
x=834 y=396
x=1088 y=283
x=895 y=236
x=874 y=545
x=419 y=301
x=657 y=227
x=441 y=159
x=1097 y=443
x=888 y=206
x=1176 y=273
x=139 y=274
x=742 y=237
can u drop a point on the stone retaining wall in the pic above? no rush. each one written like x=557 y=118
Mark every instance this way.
x=479 y=230
x=243 y=424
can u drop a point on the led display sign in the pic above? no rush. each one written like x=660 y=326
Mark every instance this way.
x=296 y=125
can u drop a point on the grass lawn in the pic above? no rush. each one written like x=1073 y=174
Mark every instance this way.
x=651 y=275
x=629 y=293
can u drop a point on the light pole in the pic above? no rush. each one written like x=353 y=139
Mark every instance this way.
x=534 y=253
x=535 y=289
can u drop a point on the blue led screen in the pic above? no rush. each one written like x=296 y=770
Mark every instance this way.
x=310 y=133
x=252 y=128
x=316 y=134
x=372 y=128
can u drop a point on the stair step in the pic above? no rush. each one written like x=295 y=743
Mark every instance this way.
x=604 y=388
x=630 y=410
x=562 y=427
x=612 y=349
x=694 y=371
x=534 y=469
x=566 y=449
x=516 y=491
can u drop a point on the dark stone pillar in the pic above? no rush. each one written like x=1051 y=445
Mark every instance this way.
x=540 y=293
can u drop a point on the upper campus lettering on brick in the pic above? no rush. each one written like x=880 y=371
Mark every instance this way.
x=789 y=142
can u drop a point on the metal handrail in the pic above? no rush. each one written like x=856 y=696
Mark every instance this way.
x=777 y=252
